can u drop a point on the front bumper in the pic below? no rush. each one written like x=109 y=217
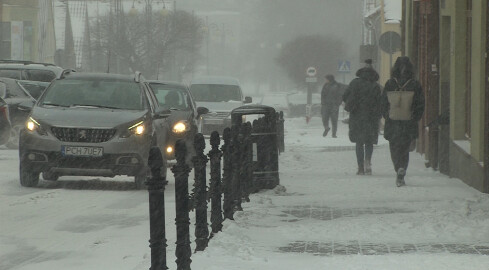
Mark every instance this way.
x=121 y=156
x=215 y=124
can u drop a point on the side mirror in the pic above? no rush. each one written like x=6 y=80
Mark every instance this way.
x=26 y=106
x=162 y=113
x=201 y=111
x=248 y=100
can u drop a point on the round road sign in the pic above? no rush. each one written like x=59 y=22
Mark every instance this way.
x=311 y=71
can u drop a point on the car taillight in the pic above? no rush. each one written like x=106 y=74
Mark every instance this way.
x=4 y=112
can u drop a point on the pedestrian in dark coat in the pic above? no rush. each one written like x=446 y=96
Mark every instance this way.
x=401 y=133
x=362 y=100
x=331 y=99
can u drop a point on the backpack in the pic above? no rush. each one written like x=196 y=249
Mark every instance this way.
x=400 y=102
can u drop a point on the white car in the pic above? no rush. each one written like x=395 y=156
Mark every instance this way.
x=220 y=95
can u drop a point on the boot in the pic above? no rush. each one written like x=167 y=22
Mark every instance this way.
x=400 y=177
x=326 y=130
x=360 y=171
x=368 y=167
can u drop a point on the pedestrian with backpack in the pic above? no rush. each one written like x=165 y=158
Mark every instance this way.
x=402 y=109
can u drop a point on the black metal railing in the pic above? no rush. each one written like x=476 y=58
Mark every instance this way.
x=246 y=162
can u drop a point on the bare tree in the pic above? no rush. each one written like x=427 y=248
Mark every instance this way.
x=305 y=51
x=170 y=41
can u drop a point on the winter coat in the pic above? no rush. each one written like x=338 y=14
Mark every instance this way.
x=403 y=130
x=362 y=100
x=332 y=94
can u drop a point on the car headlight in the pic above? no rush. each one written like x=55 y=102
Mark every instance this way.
x=180 y=127
x=136 y=129
x=32 y=125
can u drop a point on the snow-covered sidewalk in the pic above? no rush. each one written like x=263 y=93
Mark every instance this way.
x=324 y=216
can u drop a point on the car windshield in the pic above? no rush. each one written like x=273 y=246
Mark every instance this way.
x=106 y=93
x=215 y=92
x=171 y=96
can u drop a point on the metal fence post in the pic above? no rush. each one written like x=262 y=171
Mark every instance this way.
x=181 y=171
x=200 y=191
x=281 y=132
x=215 y=183
x=156 y=191
x=249 y=159
x=236 y=167
x=243 y=184
x=227 y=174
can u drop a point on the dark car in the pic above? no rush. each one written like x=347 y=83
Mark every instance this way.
x=90 y=124
x=30 y=71
x=14 y=95
x=4 y=122
x=185 y=115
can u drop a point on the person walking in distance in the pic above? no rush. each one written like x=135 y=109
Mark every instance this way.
x=362 y=101
x=402 y=108
x=331 y=98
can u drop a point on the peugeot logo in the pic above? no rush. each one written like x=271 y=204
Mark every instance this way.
x=82 y=134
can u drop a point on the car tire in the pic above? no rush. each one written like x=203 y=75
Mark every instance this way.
x=27 y=177
x=50 y=176
x=13 y=140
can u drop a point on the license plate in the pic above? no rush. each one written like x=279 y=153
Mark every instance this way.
x=82 y=151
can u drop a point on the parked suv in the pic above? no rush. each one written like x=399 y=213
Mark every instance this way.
x=91 y=125
x=29 y=71
x=220 y=95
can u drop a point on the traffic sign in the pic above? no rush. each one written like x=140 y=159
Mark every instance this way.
x=311 y=79
x=390 y=42
x=311 y=71
x=344 y=66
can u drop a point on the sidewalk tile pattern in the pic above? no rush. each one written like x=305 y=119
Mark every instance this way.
x=357 y=248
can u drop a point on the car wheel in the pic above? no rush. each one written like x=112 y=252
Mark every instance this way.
x=13 y=141
x=27 y=177
x=50 y=176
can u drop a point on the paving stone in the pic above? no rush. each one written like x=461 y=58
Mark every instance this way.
x=354 y=248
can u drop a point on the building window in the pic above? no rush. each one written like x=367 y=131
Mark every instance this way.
x=5 y=40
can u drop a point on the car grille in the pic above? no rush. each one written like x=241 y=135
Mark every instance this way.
x=83 y=134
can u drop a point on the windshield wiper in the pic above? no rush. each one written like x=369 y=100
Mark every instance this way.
x=94 y=106
x=54 y=104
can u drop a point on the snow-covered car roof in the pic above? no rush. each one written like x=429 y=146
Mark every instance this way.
x=215 y=80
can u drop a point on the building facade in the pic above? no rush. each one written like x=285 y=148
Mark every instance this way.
x=27 y=30
x=447 y=40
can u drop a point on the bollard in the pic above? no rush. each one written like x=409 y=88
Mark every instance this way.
x=200 y=191
x=156 y=191
x=181 y=171
x=215 y=183
x=227 y=174
x=236 y=167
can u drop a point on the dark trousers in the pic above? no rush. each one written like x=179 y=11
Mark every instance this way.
x=364 y=152
x=330 y=112
x=400 y=154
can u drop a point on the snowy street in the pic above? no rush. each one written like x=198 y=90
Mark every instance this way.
x=323 y=216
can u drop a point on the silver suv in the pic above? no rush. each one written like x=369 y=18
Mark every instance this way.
x=91 y=125
x=220 y=95
x=29 y=71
